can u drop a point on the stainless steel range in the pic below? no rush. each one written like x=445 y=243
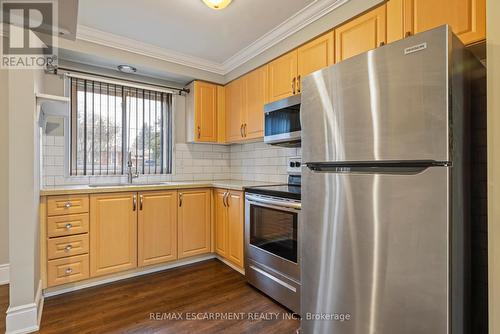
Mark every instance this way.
x=272 y=254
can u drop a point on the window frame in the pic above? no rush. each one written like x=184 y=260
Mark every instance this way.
x=166 y=99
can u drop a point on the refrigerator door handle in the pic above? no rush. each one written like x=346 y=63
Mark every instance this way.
x=382 y=167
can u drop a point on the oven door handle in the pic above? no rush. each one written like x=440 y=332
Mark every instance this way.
x=269 y=201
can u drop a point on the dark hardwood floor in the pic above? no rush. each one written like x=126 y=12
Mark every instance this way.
x=4 y=303
x=208 y=288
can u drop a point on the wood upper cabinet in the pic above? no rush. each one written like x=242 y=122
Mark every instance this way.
x=220 y=222
x=245 y=100
x=235 y=222
x=194 y=222
x=201 y=112
x=315 y=55
x=362 y=34
x=283 y=76
x=234 y=110
x=113 y=233
x=157 y=227
x=467 y=18
x=255 y=88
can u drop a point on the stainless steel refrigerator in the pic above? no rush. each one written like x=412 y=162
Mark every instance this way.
x=385 y=206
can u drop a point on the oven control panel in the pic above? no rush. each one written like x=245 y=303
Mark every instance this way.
x=294 y=166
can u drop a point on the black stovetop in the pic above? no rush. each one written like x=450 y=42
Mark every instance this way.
x=284 y=190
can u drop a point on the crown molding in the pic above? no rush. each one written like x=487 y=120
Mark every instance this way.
x=92 y=35
x=298 y=21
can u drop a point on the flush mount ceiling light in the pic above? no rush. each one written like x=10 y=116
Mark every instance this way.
x=127 y=69
x=217 y=4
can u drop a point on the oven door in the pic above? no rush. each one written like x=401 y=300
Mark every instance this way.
x=271 y=233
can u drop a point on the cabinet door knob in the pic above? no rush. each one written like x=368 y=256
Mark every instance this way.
x=408 y=34
x=69 y=271
x=180 y=199
x=245 y=130
x=67 y=205
x=141 y=200
x=382 y=43
x=68 y=248
x=241 y=131
x=293 y=85
x=134 y=203
x=299 y=84
x=68 y=226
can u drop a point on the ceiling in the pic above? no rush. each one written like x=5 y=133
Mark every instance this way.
x=187 y=27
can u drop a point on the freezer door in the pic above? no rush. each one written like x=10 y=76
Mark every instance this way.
x=387 y=104
x=375 y=253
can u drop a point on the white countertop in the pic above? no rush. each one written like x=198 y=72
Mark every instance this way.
x=86 y=189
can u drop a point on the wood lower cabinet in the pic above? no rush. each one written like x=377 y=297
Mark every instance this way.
x=113 y=233
x=194 y=222
x=157 y=227
x=235 y=223
x=229 y=223
x=362 y=34
x=220 y=222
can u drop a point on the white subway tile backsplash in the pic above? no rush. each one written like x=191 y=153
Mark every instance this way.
x=192 y=162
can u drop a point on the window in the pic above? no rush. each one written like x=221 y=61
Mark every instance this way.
x=110 y=121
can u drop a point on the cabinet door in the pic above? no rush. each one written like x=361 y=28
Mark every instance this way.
x=113 y=233
x=234 y=110
x=283 y=76
x=205 y=112
x=220 y=222
x=235 y=227
x=467 y=18
x=255 y=99
x=395 y=20
x=221 y=114
x=157 y=227
x=194 y=222
x=361 y=34
x=315 y=55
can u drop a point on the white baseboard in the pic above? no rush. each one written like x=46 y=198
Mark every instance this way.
x=4 y=274
x=229 y=264
x=25 y=318
x=50 y=292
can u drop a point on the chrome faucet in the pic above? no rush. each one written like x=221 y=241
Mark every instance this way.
x=130 y=175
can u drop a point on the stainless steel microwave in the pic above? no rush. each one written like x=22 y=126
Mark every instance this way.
x=282 y=122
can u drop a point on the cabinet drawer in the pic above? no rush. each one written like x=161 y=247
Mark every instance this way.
x=67 y=270
x=63 y=205
x=67 y=246
x=59 y=226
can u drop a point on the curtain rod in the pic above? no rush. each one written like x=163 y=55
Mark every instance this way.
x=179 y=90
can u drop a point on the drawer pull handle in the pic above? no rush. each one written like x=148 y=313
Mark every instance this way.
x=68 y=248
x=67 y=205
x=68 y=226
x=69 y=271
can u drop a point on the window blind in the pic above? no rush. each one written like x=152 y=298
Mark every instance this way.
x=108 y=121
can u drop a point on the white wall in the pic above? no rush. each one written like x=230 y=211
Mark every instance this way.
x=23 y=199
x=493 y=68
x=4 y=168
